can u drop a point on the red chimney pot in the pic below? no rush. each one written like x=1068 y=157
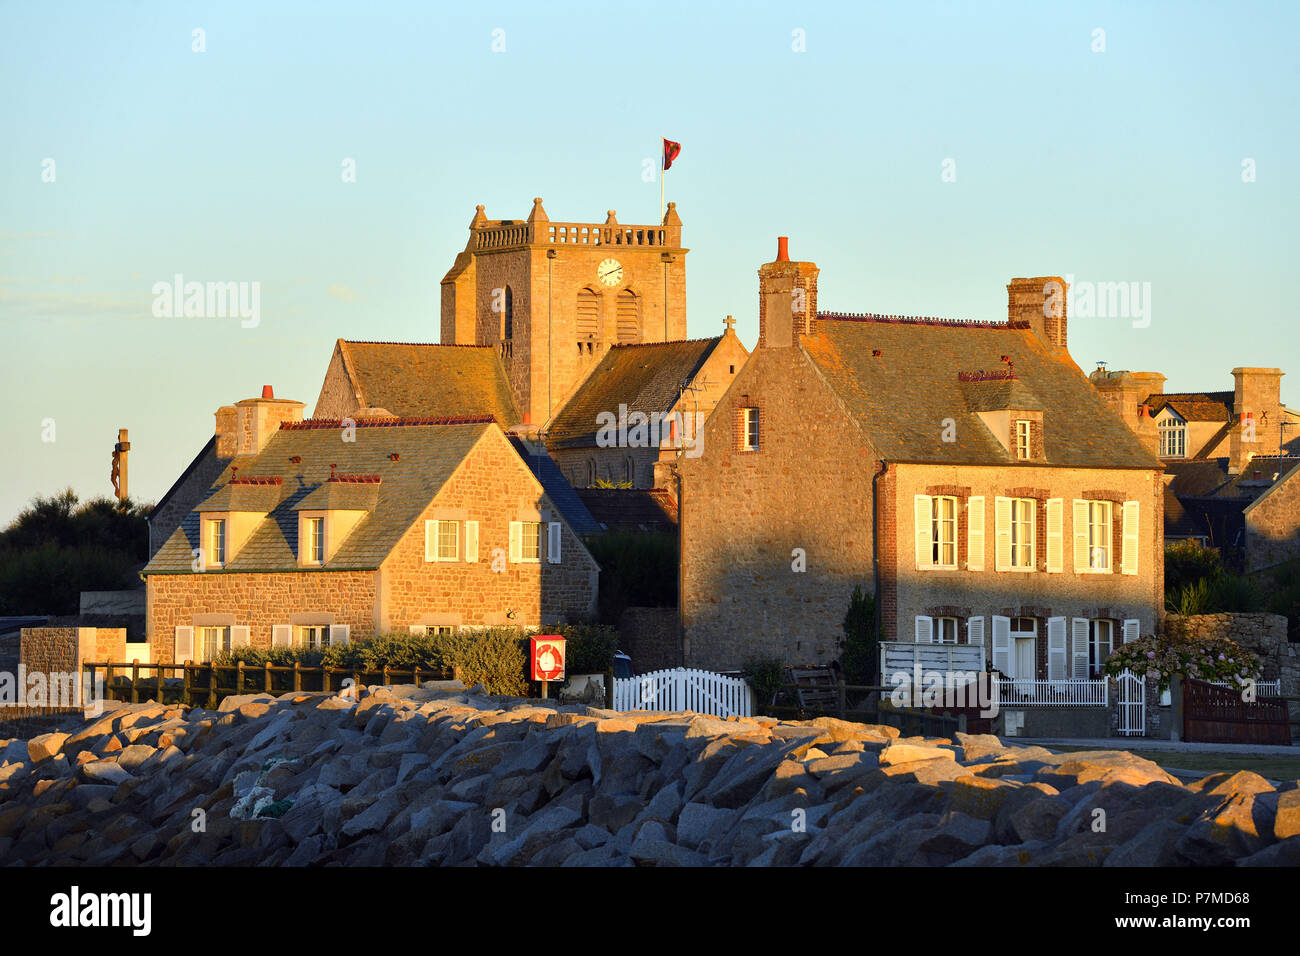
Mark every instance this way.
x=782 y=248
x=268 y=392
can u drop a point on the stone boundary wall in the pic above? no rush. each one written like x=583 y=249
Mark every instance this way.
x=1265 y=634
x=47 y=650
x=648 y=635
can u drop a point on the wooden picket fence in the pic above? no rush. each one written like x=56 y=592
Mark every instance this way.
x=679 y=688
x=207 y=684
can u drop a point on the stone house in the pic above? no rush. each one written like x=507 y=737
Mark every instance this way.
x=966 y=473
x=319 y=532
x=642 y=406
x=1222 y=452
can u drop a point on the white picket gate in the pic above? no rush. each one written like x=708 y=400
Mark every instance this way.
x=1132 y=700
x=703 y=692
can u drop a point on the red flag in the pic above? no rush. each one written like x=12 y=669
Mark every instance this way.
x=671 y=151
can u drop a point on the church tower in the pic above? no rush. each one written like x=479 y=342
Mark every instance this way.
x=552 y=297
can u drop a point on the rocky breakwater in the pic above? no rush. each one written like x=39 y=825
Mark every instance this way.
x=409 y=776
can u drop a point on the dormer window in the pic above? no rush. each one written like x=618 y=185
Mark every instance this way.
x=216 y=543
x=1173 y=435
x=314 y=546
x=1024 y=431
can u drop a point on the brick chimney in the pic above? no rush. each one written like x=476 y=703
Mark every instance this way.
x=245 y=427
x=1040 y=303
x=1257 y=413
x=793 y=285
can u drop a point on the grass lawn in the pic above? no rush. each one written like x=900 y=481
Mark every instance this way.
x=1274 y=768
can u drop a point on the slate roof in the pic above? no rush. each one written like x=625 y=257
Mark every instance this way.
x=427 y=455
x=901 y=397
x=631 y=509
x=1197 y=477
x=414 y=380
x=1194 y=406
x=557 y=488
x=237 y=496
x=645 y=377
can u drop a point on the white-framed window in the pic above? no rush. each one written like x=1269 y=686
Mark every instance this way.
x=943 y=529
x=1100 y=515
x=1022 y=438
x=213 y=641
x=448 y=540
x=314 y=546
x=440 y=630
x=749 y=422
x=945 y=630
x=1173 y=437
x=1101 y=641
x=216 y=542
x=1022 y=533
x=531 y=543
x=314 y=637
x=526 y=541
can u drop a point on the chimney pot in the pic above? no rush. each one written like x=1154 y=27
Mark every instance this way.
x=782 y=248
x=268 y=391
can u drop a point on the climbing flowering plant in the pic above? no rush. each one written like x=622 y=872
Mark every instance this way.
x=1202 y=658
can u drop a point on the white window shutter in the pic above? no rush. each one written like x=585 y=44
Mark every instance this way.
x=184 y=644
x=281 y=635
x=240 y=637
x=340 y=634
x=975 y=533
x=1081 y=557
x=1002 y=534
x=1129 y=560
x=924 y=629
x=516 y=541
x=1055 y=535
x=1132 y=630
x=1057 y=658
x=975 y=631
x=1002 y=645
x=416 y=630
x=1079 y=648
x=431 y=541
x=923 y=515
x=553 y=537
x=471 y=541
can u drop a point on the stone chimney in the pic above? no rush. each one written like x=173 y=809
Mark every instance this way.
x=1257 y=413
x=1125 y=393
x=1040 y=303
x=245 y=427
x=787 y=298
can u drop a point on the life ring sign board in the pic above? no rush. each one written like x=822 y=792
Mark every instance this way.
x=547 y=657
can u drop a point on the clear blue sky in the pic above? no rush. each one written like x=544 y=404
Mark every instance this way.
x=1123 y=165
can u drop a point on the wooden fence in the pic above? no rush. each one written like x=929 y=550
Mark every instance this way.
x=206 y=684
x=1214 y=714
x=870 y=703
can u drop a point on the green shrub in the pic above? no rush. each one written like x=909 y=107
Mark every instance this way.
x=496 y=658
x=1172 y=652
x=859 y=658
x=589 y=649
x=764 y=675
x=1187 y=562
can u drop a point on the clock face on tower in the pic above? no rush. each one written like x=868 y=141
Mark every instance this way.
x=610 y=272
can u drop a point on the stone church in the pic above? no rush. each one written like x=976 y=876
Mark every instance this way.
x=545 y=326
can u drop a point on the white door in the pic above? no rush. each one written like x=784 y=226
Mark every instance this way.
x=1024 y=663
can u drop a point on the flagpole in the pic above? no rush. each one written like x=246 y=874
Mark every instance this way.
x=661 y=180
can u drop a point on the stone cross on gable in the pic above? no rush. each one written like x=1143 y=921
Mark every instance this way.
x=729 y=322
